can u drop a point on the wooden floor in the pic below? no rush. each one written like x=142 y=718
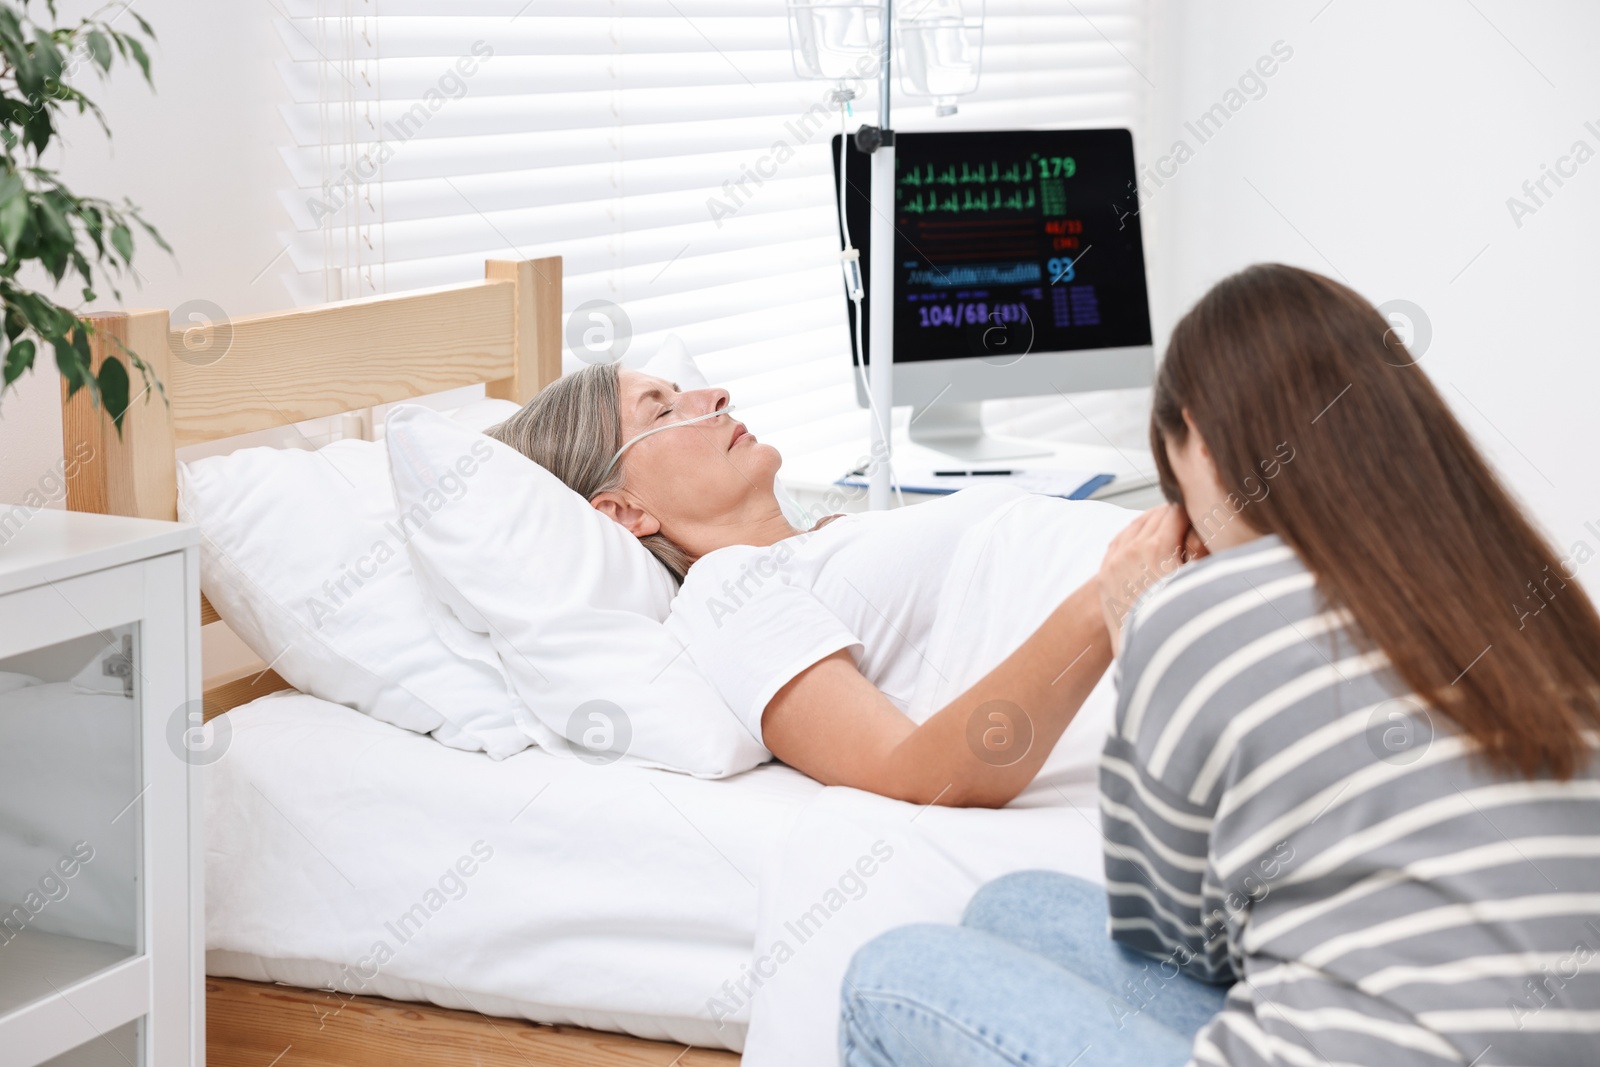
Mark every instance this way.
x=251 y=1024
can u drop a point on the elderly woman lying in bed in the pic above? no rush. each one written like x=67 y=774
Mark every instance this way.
x=817 y=639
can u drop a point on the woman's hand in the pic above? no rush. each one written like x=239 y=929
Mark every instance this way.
x=1147 y=550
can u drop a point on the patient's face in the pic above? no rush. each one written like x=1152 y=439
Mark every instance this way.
x=692 y=475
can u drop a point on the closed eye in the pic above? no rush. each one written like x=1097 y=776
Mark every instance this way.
x=657 y=395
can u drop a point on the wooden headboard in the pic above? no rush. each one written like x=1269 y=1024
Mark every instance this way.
x=272 y=370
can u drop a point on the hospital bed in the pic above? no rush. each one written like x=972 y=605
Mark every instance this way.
x=696 y=917
x=284 y=368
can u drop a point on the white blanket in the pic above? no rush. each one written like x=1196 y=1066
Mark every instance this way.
x=622 y=898
x=346 y=852
x=1013 y=571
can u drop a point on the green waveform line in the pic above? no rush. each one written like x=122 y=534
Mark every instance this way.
x=968 y=200
x=969 y=173
x=991 y=173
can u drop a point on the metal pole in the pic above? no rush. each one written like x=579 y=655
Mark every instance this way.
x=883 y=67
x=880 y=342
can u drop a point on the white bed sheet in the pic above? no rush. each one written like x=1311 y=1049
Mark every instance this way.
x=655 y=903
x=616 y=897
x=1006 y=577
x=937 y=858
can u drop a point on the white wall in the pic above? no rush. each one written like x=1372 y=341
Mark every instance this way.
x=199 y=155
x=1384 y=151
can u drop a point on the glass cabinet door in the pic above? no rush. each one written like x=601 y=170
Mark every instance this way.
x=70 y=813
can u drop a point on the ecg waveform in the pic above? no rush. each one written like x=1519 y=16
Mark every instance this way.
x=978 y=186
x=991 y=173
x=953 y=277
x=968 y=174
x=931 y=202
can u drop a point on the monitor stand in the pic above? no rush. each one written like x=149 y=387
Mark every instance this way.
x=957 y=430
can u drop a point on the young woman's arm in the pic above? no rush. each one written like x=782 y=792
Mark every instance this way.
x=832 y=724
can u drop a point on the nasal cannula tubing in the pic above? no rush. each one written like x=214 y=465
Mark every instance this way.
x=636 y=438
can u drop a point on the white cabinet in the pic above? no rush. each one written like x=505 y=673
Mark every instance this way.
x=101 y=753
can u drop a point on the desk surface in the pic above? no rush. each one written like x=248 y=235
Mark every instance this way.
x=1134 y=485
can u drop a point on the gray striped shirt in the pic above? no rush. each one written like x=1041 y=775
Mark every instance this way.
x=1281 y=814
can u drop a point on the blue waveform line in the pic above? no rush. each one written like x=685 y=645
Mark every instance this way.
x=983 y=274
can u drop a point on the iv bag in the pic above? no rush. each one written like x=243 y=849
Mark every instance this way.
x=941 y=49
x=835 y=41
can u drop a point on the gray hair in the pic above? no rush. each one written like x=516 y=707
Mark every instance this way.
x=572 y=428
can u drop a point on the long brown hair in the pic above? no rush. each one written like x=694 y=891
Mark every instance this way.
x=1389 y=505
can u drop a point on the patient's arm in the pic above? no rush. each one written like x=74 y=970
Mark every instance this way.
x=834 y=725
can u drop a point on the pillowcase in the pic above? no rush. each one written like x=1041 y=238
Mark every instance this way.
x=303 y=554
x=11 y=681
x=570 y=600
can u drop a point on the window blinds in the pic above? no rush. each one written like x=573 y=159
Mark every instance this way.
x=425 y=136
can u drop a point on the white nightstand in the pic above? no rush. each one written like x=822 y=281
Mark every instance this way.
x=101 y=851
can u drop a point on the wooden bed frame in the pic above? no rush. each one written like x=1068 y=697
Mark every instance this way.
x=267 y=371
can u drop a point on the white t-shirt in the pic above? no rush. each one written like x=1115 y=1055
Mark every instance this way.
x=753 y=617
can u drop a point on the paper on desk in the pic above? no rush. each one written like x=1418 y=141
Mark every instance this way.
x=1074 y=485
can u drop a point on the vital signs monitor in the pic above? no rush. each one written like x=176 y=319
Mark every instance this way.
x=1019 y=271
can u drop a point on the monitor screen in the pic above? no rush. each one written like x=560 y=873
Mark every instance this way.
x=1008 y=242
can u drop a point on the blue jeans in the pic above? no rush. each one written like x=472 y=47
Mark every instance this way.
x=1029 y=977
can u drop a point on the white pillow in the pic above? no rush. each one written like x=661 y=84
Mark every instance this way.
x=572 y=602
x=302 y=553
x=672 y=361
x=11 y=681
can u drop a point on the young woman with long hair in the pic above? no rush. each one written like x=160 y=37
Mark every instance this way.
x=1350 y=800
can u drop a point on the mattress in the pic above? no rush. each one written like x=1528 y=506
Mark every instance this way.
x=346 y=853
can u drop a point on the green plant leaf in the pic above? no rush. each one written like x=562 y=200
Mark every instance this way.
x=122 y=241
x=18 y=359
x=38 y=130
x=11 y=33
x=53 y=221
x=47 y=52
x=140 y=57
x=154 y=234
x=44 y=224
x=73 y=368
x=114 y=389
x=100 y=49
x=13 y=220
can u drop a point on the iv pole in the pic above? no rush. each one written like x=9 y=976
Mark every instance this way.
x=880 y=142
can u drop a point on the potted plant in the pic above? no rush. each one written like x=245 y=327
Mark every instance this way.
x=73 y=239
